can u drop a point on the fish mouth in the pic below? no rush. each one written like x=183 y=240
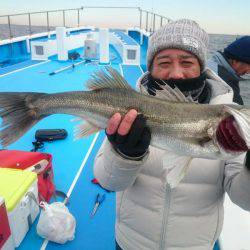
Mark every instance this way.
x=229 y=137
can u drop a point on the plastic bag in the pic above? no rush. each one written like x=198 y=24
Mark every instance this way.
x=56 y=223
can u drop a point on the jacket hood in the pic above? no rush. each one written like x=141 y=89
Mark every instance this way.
x=219 y=58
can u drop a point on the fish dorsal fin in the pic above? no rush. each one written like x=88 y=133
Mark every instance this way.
x=144 y=91
x=101 y=79
x=169 y=94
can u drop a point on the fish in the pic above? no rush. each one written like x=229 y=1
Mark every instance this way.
x=176 y=123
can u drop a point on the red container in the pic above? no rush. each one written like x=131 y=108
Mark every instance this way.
x=41 y=163
x=4 y=224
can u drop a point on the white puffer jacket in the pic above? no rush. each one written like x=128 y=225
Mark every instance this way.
x=152 y=216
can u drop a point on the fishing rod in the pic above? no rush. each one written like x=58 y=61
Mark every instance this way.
x=73 y=65
x=72 y=56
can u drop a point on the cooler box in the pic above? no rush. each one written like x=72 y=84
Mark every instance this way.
x=40 y=163
x=6 y=241
x=17 y=188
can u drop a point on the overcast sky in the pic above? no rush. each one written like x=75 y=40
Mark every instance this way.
x=215 y=16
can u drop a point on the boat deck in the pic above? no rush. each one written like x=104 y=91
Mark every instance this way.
x=72 y=160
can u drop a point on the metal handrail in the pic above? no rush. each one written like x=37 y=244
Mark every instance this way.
x=147 y=26
x=81 y=8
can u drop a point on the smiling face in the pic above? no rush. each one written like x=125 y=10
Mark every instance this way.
x=175 y=64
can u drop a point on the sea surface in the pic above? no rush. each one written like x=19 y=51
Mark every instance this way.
x=217 y=42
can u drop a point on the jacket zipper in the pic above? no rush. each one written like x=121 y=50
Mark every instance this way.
x=165 y=217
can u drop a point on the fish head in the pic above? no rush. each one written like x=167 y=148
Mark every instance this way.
x=232 y=133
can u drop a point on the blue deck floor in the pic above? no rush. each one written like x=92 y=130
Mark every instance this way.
x=68 y=155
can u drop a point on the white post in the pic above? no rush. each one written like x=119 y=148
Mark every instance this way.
x=61 y=44
x=104 y=45
x=90 y=48
x=141 y=37
x=28 y=45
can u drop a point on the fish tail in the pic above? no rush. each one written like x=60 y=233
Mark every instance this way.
x=18 y=114
x=242 y=117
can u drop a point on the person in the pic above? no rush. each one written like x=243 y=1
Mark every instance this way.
x=149 y=214
x=232 y=64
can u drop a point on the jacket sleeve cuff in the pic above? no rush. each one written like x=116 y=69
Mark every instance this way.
x=113 y=171
x=132 y=158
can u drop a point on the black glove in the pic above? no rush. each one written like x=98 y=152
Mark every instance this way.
x=135 y=144
x=247 y=160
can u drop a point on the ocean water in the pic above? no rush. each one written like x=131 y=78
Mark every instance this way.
x=217 y=42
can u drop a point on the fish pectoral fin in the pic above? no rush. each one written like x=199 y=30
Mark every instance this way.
x=203 y=142
x=110 y=79
x=178 y=171
x=85 y=129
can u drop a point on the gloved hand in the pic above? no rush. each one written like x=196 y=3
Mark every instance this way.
x=229 y=137
x=134 y=144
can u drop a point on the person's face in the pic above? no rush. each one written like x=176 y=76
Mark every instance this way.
x=175 y=64
x=240 y=68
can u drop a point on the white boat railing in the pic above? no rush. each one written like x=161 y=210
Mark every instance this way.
x=146 y=20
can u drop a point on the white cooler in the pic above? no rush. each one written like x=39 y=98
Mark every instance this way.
x=19 y=189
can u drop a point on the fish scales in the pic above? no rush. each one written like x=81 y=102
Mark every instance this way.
x=175 y=124
x=170 y=118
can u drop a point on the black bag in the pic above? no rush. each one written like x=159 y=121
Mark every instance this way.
x=50 y=134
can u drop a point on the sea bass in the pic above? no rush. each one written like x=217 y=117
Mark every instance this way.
x=176 y=123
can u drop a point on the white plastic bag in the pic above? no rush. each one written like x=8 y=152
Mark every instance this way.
x=56 y=223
